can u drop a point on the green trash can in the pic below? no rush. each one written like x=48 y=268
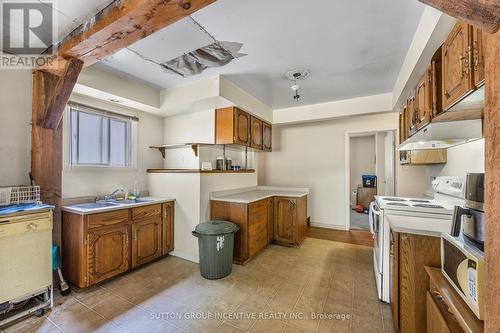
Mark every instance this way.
x=216 y=243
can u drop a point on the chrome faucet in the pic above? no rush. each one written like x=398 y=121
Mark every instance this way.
x=113 y=194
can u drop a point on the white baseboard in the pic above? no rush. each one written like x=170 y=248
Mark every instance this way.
x=328 y=226
x=186 y=256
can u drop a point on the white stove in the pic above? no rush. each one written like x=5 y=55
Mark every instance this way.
x=437 y=211
x=418 y=205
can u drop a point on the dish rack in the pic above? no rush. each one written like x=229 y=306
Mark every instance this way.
x=15 y=195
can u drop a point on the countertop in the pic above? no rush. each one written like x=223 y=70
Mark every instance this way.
x=419 y=225
x=252 y=194
x=150 y=201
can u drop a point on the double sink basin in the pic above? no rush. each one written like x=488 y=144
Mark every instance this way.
x=103 y=205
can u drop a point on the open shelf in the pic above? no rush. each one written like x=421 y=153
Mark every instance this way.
x=198 y=171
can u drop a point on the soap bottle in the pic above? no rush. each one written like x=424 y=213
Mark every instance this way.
x=135 y=190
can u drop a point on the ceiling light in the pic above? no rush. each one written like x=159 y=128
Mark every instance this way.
x=294 y=75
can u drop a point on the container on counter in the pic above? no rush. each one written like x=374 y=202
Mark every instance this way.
x=220 y=163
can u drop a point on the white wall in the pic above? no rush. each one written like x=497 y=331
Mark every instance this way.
x=362 y=159
x=313 y=155
x=15 y=127
x=192 y=193
x=90 y=181
x=462 y=159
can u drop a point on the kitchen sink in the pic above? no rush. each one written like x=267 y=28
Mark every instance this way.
x=95 y=205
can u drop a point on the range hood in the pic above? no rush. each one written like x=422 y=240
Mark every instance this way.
x=443 y=133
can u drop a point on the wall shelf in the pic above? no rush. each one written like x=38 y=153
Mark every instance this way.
x=198 y=171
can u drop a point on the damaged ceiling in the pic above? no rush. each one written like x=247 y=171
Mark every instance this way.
x=353 y=48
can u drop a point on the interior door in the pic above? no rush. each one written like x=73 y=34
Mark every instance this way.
x=389 y=152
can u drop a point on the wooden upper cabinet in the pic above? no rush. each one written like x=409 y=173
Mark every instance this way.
x=478 y=38
x=108 y=252
x=146 y=242
x=256 y=133
x=436 y=83
x=168 y=228
x=267 y=136
x=456 y=73
x=412 y=116
x=241 y=127
x=423 y=100
x=232 y=126
x=403 y=133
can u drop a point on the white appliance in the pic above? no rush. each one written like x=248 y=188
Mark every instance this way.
x=448 y=191
x=25 y=263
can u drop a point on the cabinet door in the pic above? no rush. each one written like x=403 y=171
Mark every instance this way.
x=256 y=135
x=456 y=65
x=267 y=135
x=241 y=127
x=168 y=227
x=394 y=278
x=436 y=84
x=435 y=320
x=412 y=116
x=423 y=101
x=270 y=220
x=146 y=242
x=108 y=252
x=478 y=56
x=284 y=220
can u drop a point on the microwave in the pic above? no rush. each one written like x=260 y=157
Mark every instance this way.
x=463 y=266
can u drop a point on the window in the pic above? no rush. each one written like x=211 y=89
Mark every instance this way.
x=100 y=138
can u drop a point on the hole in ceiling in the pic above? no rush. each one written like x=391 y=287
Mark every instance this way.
x=195 y=62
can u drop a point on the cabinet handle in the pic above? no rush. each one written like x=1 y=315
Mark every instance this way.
x=475 y=56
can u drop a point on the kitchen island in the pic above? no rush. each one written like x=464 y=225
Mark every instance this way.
x=264 y=214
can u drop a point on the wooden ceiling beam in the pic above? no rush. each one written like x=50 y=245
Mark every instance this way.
x=484 y=14
x=59 y=97
x=119 y=25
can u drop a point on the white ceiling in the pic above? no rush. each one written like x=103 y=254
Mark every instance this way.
x=353 y=48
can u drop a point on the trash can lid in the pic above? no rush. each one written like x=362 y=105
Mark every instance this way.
x=216 y=227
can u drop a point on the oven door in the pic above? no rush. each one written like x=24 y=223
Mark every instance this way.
x=375 y=220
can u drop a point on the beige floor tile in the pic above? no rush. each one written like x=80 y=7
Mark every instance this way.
x=227 y=328
x=365 y=323
x=75 y=317
x=321 y=277
x=31 y=324
x=268 y=326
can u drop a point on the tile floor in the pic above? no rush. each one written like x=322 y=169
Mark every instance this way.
x=359 y=221
x=279 y=291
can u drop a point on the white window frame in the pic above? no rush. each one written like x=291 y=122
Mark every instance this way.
x=68 y=140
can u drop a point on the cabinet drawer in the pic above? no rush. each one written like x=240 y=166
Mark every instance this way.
x=257 y=237
x=258 y=217
x=108 y=218
x=258 y=206
x=146 y=211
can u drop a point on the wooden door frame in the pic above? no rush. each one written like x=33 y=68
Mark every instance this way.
x=347 y=173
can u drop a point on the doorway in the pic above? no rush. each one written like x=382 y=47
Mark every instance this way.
x=370 y=155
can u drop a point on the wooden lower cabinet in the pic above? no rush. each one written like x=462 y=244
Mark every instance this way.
x=435 y=320
x=282 y=220
x=410 y=254
x=96 y=247
x=290 y=220
x=168 y=228
x=108 y=253
x=146 y=242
